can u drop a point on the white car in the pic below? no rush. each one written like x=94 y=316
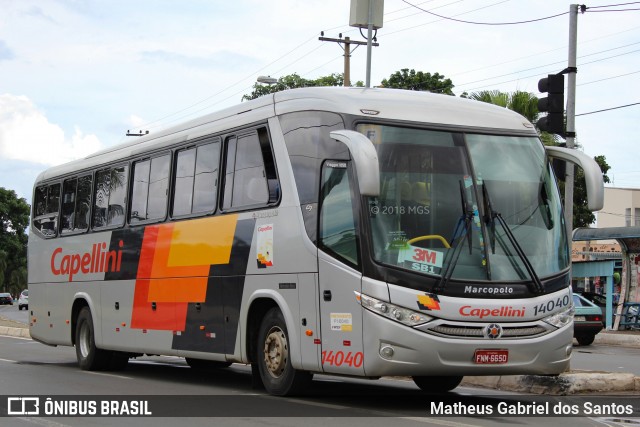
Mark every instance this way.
x=23 y=301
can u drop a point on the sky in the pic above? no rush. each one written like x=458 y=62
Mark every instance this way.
x=75 y=75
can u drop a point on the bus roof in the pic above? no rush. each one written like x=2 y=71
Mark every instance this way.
x=406 y=105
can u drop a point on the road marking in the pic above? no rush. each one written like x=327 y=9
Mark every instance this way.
x=437 y=421
x=8 y=360
x=108 y=375
x=42 y=422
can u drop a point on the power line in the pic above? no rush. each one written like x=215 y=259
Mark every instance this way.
x=617 y=10
x=562 y=62
x=548 y=51
x=484 y=23
x=608 y=109
x=613 y=5
x=223 y=90
x=438 y=20
x=609 y=78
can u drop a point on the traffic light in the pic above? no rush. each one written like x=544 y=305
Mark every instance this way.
x=553 y=104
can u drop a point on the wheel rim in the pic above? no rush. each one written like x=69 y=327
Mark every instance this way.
x=84 y=339
x=276 y=352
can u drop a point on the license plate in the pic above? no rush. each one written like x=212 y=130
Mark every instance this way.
x=491 y=357
x=579 y=319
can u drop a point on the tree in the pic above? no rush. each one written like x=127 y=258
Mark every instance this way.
x=14 y=218
x=526 y=104
x=293 y=81
x=582 y=216
x=412 y=80
x=523 y=103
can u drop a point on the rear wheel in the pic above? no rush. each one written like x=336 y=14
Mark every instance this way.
x=278 y=376
x=438 y=384
x=90 y=358
x=586 y=339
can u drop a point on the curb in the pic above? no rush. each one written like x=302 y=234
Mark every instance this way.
x=15 y=332
x=563 y=384
x=617 y=338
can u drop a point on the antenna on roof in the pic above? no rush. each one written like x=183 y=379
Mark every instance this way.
x=137 y=134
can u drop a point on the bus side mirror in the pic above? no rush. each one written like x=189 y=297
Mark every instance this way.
x=592 y=173
x=364 y=157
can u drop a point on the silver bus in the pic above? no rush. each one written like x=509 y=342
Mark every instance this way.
x=350 y=231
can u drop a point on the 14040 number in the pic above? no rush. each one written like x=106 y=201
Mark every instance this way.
x=340 y=358
x=551 y=305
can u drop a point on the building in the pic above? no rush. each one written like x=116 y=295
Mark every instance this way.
x=621 y=208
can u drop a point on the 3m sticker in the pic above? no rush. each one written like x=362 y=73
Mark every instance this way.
x=420 y=256
x=341 y=322
x=265 y=246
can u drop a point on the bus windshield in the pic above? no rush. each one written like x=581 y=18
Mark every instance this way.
x=465 y=206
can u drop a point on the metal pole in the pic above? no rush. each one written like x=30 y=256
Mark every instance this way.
x=347 y=62
x=369 y=36
x=571 y=114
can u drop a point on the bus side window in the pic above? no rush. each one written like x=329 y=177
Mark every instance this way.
x=150 y=189
x=47 y=199
x=250 y=176
x=110 y=197
x=337 y=221
x=68 y=205
x=83 y=203
x=196 y=184
x=76 y=203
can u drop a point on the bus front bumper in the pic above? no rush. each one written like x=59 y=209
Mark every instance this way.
x=391 y=348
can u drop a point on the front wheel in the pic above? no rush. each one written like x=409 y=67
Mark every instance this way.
x=278 y=376
x=438 y=384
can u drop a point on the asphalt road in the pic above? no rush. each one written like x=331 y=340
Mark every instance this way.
x=28 y=368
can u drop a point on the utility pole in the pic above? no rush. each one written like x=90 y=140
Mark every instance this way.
x=367 y=14
x=571 y=113
x=347 y=52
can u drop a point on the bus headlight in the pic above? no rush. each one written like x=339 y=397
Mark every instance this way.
x=392 y=311
x=562 y=318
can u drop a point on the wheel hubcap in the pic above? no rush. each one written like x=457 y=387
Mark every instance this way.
x=276 y=352
x=84 y=340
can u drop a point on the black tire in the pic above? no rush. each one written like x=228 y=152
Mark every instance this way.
x=438 y=384
x=90 y=358
x=278 y=376
x=201 y=364
x=585 y=339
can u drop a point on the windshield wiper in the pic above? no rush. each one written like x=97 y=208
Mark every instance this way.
x=490 y=218
x=451 y=259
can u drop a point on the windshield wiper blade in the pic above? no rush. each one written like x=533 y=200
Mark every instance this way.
x=492 y=216
x=451 y=259
x=489 y=217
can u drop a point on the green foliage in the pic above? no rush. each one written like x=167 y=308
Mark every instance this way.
x=523 y=103
x=412 y=80
x=293 y=81
x=582 y=216
x=14 y=218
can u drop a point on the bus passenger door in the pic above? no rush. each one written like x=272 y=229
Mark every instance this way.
x=339 y=278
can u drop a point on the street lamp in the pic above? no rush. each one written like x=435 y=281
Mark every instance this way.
x=267 y=80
